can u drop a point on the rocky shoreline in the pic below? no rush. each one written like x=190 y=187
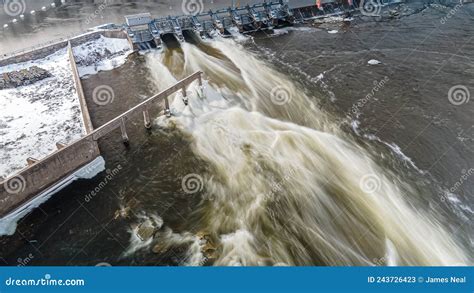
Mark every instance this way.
x=22 y=77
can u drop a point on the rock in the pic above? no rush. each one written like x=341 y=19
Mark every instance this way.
x=203 y=235
x=208 y=247
x=148 y=229
x=145 y=231
x=160 y=248
x=22 y=77
x=122 y=213
x=394 y=13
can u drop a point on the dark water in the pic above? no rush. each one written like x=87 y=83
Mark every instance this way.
x=421 y=58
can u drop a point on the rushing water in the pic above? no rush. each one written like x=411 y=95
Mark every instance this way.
x=268 y=166
x=285 y=185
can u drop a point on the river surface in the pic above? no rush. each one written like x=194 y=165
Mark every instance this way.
x=326 y=144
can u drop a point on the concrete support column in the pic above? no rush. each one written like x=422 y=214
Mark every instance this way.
x=185 y=96
x=200 y=80
x=31 y=161
x=167 y=108
x=124 y=130
x=146 y=118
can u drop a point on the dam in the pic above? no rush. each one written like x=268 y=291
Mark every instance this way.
x=142 y=31
x=286 y=155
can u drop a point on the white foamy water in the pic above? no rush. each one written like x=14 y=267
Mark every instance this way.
x=136 y=243
x=287 y=186
x=373 y=62
x=34 y=117
x=396 y=150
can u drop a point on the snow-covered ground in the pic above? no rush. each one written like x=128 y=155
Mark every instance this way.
x=34 y=117
x=101 y=54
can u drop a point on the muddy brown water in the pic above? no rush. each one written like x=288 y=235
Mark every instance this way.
x=431 y=144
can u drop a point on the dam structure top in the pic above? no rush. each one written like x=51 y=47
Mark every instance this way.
x=145 y=32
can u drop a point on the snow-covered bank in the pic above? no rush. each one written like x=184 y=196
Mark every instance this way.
x=34 y=117
x=101 y=54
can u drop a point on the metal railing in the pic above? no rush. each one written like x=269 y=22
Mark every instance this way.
x=144 y=106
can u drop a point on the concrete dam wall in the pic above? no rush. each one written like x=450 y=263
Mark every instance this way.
x=25 y=185
x=41 y=175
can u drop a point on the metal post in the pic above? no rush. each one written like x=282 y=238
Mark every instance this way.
x=31 y=161
x=200 y=79
x=185 y=96
x=167 y=108
x=124 y=130
x=146 y=118
x=201 y=89
x=60 y=145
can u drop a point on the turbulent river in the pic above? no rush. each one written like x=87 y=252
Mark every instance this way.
x=266 y=166
x=286 y=186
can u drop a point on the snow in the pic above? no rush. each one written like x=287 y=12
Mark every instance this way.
x=286 y=30
x=34 y=117
x=374 y=62
x=101 y=54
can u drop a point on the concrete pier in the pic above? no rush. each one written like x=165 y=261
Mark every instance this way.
x=123 y=129
x=40 y=175
x=25 y=185
x=22 y=187
x=146 y=118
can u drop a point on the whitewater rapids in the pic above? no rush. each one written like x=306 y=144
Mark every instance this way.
x=285 y=185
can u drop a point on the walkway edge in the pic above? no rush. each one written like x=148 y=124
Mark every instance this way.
x=86 y=118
